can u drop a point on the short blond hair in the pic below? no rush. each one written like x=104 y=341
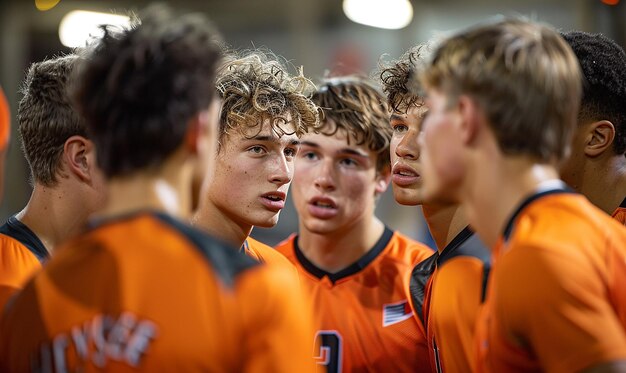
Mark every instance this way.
x=523 y=75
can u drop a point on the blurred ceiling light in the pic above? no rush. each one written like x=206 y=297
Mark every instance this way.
x=78 y=26
x=44 y=5
x=611 y=2
x=388 y=14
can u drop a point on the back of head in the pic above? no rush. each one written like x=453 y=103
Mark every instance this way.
x=138 y=88
x=523 y=76
x=255 y=87
x=46 y=118
x=603 y=65
x=354 y=105
x=399 y=79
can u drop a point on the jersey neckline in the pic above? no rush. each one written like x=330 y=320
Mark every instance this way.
x=350 y=270
x=563 y=189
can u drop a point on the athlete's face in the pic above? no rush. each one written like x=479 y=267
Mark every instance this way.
x=336 y=183
x=252 y=175
x=405 y=155
x=441 y=147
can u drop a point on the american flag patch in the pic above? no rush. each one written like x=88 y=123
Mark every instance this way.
x=394 y=313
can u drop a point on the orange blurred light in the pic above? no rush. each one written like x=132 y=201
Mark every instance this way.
x=610 y=2
x=44 y=5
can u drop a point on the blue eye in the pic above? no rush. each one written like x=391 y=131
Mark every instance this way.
x=348 y=162
x=309 y=155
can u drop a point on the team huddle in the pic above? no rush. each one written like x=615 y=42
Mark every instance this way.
x=155 y=150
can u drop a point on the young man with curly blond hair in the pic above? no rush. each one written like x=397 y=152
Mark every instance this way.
x=448 y=288
x=265 y=110
x=351 y=264
x=502 y=102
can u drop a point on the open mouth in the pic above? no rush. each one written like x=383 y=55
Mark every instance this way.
x=404 y=176
x=274 y=201
x=325 y=205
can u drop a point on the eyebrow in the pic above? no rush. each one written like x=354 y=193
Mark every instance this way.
x=308 y=143
x=273 y=139
x=395 y=117
x=341 y=151
x=353 y=152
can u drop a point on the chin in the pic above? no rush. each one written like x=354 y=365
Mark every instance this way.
x=407 y=197
x=267 y=222
x=319 y=227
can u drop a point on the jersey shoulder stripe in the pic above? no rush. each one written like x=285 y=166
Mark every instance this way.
x=20 y=232
x=226 y=261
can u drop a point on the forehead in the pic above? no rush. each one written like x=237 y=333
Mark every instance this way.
x=340 y=142
x=273 y=130
x=412 y=112
x=265 y=125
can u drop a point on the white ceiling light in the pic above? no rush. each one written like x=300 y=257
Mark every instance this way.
x=388 y=14
x=78 y=26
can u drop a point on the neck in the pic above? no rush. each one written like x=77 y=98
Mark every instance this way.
x=608 y=175
x=166 y=189
x=444 y=223
x=220 y=224
x=499 y=191
x=337 y=250
x=54 y=214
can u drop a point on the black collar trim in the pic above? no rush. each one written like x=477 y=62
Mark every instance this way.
x=350 y=270
x=456 y=242
x=535 y=196
x=19 y=231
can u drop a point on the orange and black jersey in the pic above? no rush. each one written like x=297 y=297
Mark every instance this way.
x=620 y=213
x=147 y=292
x=21 y=255
x=447 y=291
x=363 y=319
x=556 y=299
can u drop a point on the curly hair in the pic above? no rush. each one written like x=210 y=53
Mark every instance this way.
x=256 y=86
x=46 y=118
x=399 y=79
x=139 y=87
x=353 y=104
x=603 y=64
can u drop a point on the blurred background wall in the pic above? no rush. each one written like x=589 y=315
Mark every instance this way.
x=313 y=33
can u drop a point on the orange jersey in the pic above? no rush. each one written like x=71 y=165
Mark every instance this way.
x=452 y=290
x=266 y=254
x=556 y=299
x=21 y=255
x=364 y=322
x=5 y=121
x=147 y=292
x=620 y=213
